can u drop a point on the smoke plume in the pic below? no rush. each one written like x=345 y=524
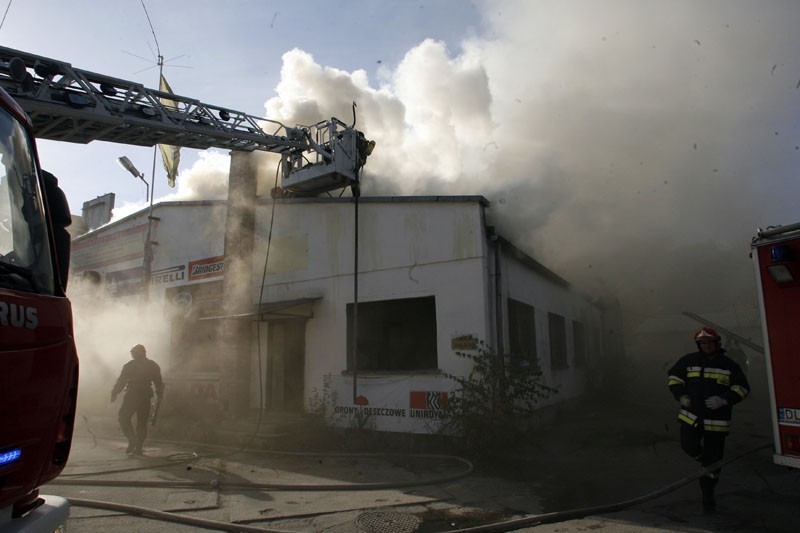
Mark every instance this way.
x=105 y=331
x=633 y=147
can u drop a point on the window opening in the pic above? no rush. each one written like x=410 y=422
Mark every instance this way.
x=522 y=330
x=395 y=335
x=558 y=342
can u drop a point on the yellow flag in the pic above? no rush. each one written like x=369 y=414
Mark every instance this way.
x=171 y=155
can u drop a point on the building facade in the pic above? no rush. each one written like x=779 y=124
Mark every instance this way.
x=433 y=280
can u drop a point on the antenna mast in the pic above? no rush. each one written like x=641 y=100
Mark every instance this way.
x=148 y=245
x=160 y=63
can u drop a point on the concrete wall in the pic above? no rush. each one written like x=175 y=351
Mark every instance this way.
x=405 y=250
x=549 y=295
x=408 y=247
x=185 y=232
x=188 y=232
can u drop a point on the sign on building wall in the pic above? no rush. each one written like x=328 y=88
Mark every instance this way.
x=129 y=280
x=391 y=404
x=464 y=342
x=210 y=267
x=108 y=248
x=124 y=282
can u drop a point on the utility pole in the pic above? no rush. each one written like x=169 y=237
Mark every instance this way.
x=147 y=266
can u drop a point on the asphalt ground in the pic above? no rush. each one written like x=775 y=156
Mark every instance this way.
x=585 y=454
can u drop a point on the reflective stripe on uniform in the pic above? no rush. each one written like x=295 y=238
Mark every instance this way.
x=716 y=425
x=674 y=380
x=721 y=426
x=686 y=416
x=741 y=391
x=720 y=375
x=693 y=371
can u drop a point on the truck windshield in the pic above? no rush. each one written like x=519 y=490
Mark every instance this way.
x=24 y=252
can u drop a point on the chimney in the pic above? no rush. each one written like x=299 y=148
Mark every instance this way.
x=97 y=212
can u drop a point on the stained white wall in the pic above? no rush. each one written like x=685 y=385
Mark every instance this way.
x=188 y=231
x=422 y=247
x=184 y=231
x=526 y=285
x=406 y=249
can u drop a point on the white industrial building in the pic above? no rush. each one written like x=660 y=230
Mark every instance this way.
x=432 y=278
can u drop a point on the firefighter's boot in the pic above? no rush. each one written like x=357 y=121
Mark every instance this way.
x=707 y=484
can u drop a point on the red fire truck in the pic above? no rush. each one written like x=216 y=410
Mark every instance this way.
x=38 y=361
x=776 y=254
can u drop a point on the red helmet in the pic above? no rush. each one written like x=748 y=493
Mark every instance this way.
x=706 y=333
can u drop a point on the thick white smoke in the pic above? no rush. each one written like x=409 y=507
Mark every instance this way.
x=105 y=331
x=206 y=179
x=634 y=147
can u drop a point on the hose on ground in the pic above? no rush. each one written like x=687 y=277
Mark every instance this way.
x=168 y=517
x=572 y=514
x=509 y=525
x=222 y=484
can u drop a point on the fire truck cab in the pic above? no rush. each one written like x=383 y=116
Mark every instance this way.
x=38 y=360
x=776 y=254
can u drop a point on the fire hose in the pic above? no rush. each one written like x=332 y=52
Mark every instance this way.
x=572 y=514
x=509 y=525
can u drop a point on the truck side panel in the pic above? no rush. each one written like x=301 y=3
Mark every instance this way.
x=781 y=322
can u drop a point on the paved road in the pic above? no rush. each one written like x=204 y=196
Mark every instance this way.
x=585 y=455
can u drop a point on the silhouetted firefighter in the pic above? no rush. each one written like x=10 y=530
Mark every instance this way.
x=135 y=379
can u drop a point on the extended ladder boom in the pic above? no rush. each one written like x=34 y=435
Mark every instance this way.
x=73 y=105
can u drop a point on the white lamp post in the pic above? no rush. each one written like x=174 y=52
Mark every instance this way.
x=147 y=265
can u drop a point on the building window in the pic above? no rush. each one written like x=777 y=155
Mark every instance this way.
x=558 y=341
x=579 y=342
x=395 y=335
x=522 y=330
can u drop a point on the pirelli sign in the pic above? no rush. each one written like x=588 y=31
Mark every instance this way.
x=210 y=267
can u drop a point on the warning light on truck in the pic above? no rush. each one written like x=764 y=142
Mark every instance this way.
x=9 y=456
x=780 y=256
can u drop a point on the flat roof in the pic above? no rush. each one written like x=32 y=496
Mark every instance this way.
x=387 y=199
x=315 y=200
x=341 y=199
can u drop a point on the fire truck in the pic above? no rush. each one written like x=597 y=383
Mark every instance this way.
x=38 y=360
x=776 y=255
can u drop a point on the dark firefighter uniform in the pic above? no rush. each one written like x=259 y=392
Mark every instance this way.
x=135 y=379
x=708 y=384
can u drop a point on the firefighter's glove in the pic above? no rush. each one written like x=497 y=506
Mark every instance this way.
x=685 y=401
x=715 y=402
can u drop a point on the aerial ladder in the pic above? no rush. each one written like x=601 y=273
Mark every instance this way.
x=74 y=105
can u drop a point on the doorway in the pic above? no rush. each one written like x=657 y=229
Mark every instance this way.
x=286 y=347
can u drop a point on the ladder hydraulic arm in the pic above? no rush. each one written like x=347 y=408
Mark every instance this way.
x=73 y=105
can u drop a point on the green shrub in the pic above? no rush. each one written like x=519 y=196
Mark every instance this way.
x=492 y=407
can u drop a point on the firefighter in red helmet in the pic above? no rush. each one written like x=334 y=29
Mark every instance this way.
x=707 y=383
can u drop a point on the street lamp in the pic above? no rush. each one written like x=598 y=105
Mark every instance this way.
x=126 y=164
x=147 y=265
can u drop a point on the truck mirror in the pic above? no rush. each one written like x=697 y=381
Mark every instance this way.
x=60 y=219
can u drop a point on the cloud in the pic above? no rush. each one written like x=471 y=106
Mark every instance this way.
x=634 y=147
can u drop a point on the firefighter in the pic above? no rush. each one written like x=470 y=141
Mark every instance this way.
x=135 y=379
x=707 y=383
